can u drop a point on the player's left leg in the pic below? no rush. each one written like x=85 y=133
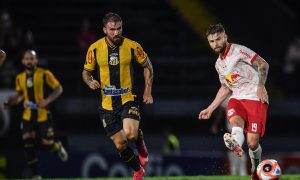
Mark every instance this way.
x=255 y=128
x=133 y=133
x=48 y=142
x=255 y=151
x=131 y=120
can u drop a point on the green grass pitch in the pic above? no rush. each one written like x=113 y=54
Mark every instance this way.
x=284 y=177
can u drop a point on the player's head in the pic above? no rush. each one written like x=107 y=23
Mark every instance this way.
x=112 y=27
x=217 y=38
x=30 y=59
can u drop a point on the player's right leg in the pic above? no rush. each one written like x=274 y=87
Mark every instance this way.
x=127 y=155
x=29 y=141
x=235 y=140
x=113 y=126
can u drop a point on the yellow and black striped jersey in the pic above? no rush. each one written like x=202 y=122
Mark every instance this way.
x=34 y=87
x=115 y=70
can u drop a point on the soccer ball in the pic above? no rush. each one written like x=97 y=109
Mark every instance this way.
x=268 y=170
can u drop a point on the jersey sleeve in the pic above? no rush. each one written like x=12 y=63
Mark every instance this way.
x=247 y=55
x=139 y=53
x=90 y=60
x=18 y=85
x=51 y=80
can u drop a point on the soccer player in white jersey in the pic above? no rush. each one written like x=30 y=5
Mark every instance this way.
x=242 y=74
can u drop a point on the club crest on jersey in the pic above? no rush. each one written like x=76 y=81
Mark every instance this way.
x=113 y=59
x=230 y=112
x=232 y=78
x=29 y=82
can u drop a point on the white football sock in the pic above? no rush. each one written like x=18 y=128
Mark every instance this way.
x=255 y=156
x=238 y=134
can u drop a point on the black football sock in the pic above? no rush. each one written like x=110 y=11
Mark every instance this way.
x=127 y=155
x=31 y=158
x=140 y=138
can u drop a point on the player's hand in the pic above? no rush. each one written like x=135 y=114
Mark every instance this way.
x=4 y=105
x=94 y=84
x=262 y=94
x=42 y=103
x=205 y=114
x=2 y=57
x=147 y=98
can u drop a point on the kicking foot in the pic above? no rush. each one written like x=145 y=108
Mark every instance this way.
x=232 y=145
x=143 y=154
x=139 y=175
x=62 y=153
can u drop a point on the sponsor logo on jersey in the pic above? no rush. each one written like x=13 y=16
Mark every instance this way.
x=113 y=91
x=134 y=110
x=113 y=59
x=30 y=105
x=246 y=54
x=29 y=82
x=232 y=78
x=230 y=112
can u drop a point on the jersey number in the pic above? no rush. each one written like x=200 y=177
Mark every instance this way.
x=254 y=127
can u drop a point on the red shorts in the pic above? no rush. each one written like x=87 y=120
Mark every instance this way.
x=254 y=113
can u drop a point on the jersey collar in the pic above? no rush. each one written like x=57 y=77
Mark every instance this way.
x=226 y=51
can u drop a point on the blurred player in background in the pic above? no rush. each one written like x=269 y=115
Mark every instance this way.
x=36 y=124
x=2 y=57
x=119 y=109
x=243 y=73
x=237 y=165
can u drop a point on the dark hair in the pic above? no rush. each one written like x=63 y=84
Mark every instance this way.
x=216 y=28
x=111 y=17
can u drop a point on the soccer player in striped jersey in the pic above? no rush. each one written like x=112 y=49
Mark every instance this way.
x=32 y=86
x=113 y=55
x=243 y=74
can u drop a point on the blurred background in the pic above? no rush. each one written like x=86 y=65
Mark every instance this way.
x=172 y=32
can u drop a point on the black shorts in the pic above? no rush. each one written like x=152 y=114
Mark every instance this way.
x=112 y=121
x=44 y=130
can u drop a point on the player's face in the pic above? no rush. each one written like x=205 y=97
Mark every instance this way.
x=113 y=31
x=217 y=42
x=29 y=60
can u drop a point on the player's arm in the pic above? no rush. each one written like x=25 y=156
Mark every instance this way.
x=148 y=76
x=13 y=100
x=89 y=80
x=262 y=68
x=54 y=95
x=2 y=57
x=222 y=94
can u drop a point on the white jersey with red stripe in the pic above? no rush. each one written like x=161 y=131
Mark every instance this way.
x=236 y=71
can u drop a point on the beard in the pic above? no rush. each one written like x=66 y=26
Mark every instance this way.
x=29 y=67
x=116 y=40
x=220 y=50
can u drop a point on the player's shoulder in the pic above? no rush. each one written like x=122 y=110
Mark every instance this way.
x=19 y=75
x=130 y=42
x=100 y=42
x=239 y=47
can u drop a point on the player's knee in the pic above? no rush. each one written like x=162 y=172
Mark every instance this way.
x=28 y=143
x=121 y=145
x=252 y=145
x=47 y=142
x=131 y=135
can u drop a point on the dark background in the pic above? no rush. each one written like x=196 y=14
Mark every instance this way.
x=185 y=80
